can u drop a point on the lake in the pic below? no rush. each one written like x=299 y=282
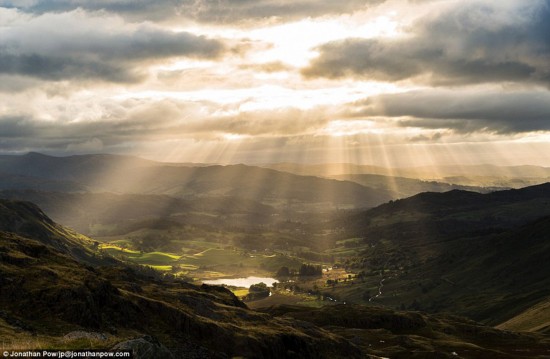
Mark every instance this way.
x=241 y=282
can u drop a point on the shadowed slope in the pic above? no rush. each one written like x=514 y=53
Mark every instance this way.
x=45 y=291
x=479 y=255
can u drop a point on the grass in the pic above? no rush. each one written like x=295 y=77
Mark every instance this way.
x=277 y=298
x=123 y=242
x=17 y=340
x=535 y=318
x=212 y=257
x=113 y=248
x=312 y=303
x=210 y=263
x=240 y=292
x=154 y=259
x=162 y=268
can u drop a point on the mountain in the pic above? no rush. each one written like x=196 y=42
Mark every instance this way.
x=15 y=182
x=389 y=333
x=328 y=169
x=49 y=296
x=123 y=174
x=454 y=213
x=485 y=175
x=425 y=172
x=478 y=255
x=38 y=165
x=401 y=187
x=85 y=212
x=26 y=219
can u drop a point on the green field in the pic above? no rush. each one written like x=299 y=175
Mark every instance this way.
x=206 y=264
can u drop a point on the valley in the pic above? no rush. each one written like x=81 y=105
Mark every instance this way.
x=417 y=274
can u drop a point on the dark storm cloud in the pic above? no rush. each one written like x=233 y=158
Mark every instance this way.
x=16 y=127
x=59 y=68
x=208 y=11
x=507 y=112
x=80 y=47
x=18 y=132
x=476 y=42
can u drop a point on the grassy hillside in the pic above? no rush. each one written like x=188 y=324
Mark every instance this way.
x=452 y=214
x=399 y=334
x=45 y=293
x=533 y=319
x=480 y=255
x=28 y=220
x=108 y=213
x=49 y=295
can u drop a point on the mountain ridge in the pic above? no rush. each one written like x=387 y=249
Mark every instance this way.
x=123 y=174
x=478 y=255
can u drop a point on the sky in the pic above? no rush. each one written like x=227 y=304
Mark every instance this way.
x=395 y=83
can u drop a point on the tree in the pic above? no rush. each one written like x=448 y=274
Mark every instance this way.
x=258 y=287
x=257 y=291
x=310 y=270
x=283 y=272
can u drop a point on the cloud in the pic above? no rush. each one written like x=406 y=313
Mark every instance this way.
x=425 y=138
x=476 y=42
x=205 y=11
x=149 y=121
x=98 y=47
x=463 y=111
x=91 y=145
x=276 y=122
x=58 y=68
x=13 y=84
x=269 y=67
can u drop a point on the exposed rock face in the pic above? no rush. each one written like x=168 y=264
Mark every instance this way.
x=146 y=347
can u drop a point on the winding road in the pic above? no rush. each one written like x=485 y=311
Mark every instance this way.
x=379 y=290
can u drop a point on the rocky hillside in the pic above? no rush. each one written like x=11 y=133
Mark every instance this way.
x=47 y=292
x=51 y=296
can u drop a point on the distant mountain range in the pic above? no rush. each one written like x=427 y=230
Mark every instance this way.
x=423 y=172
x=120 y=174
x=301 y=187
x=486 y=175
x=401 y=187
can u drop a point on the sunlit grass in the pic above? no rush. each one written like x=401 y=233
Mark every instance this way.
x=155 y=258
x=159 y=260
x=214 y=256
x=116 y=248
x=240 y=292
x=162 y=268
